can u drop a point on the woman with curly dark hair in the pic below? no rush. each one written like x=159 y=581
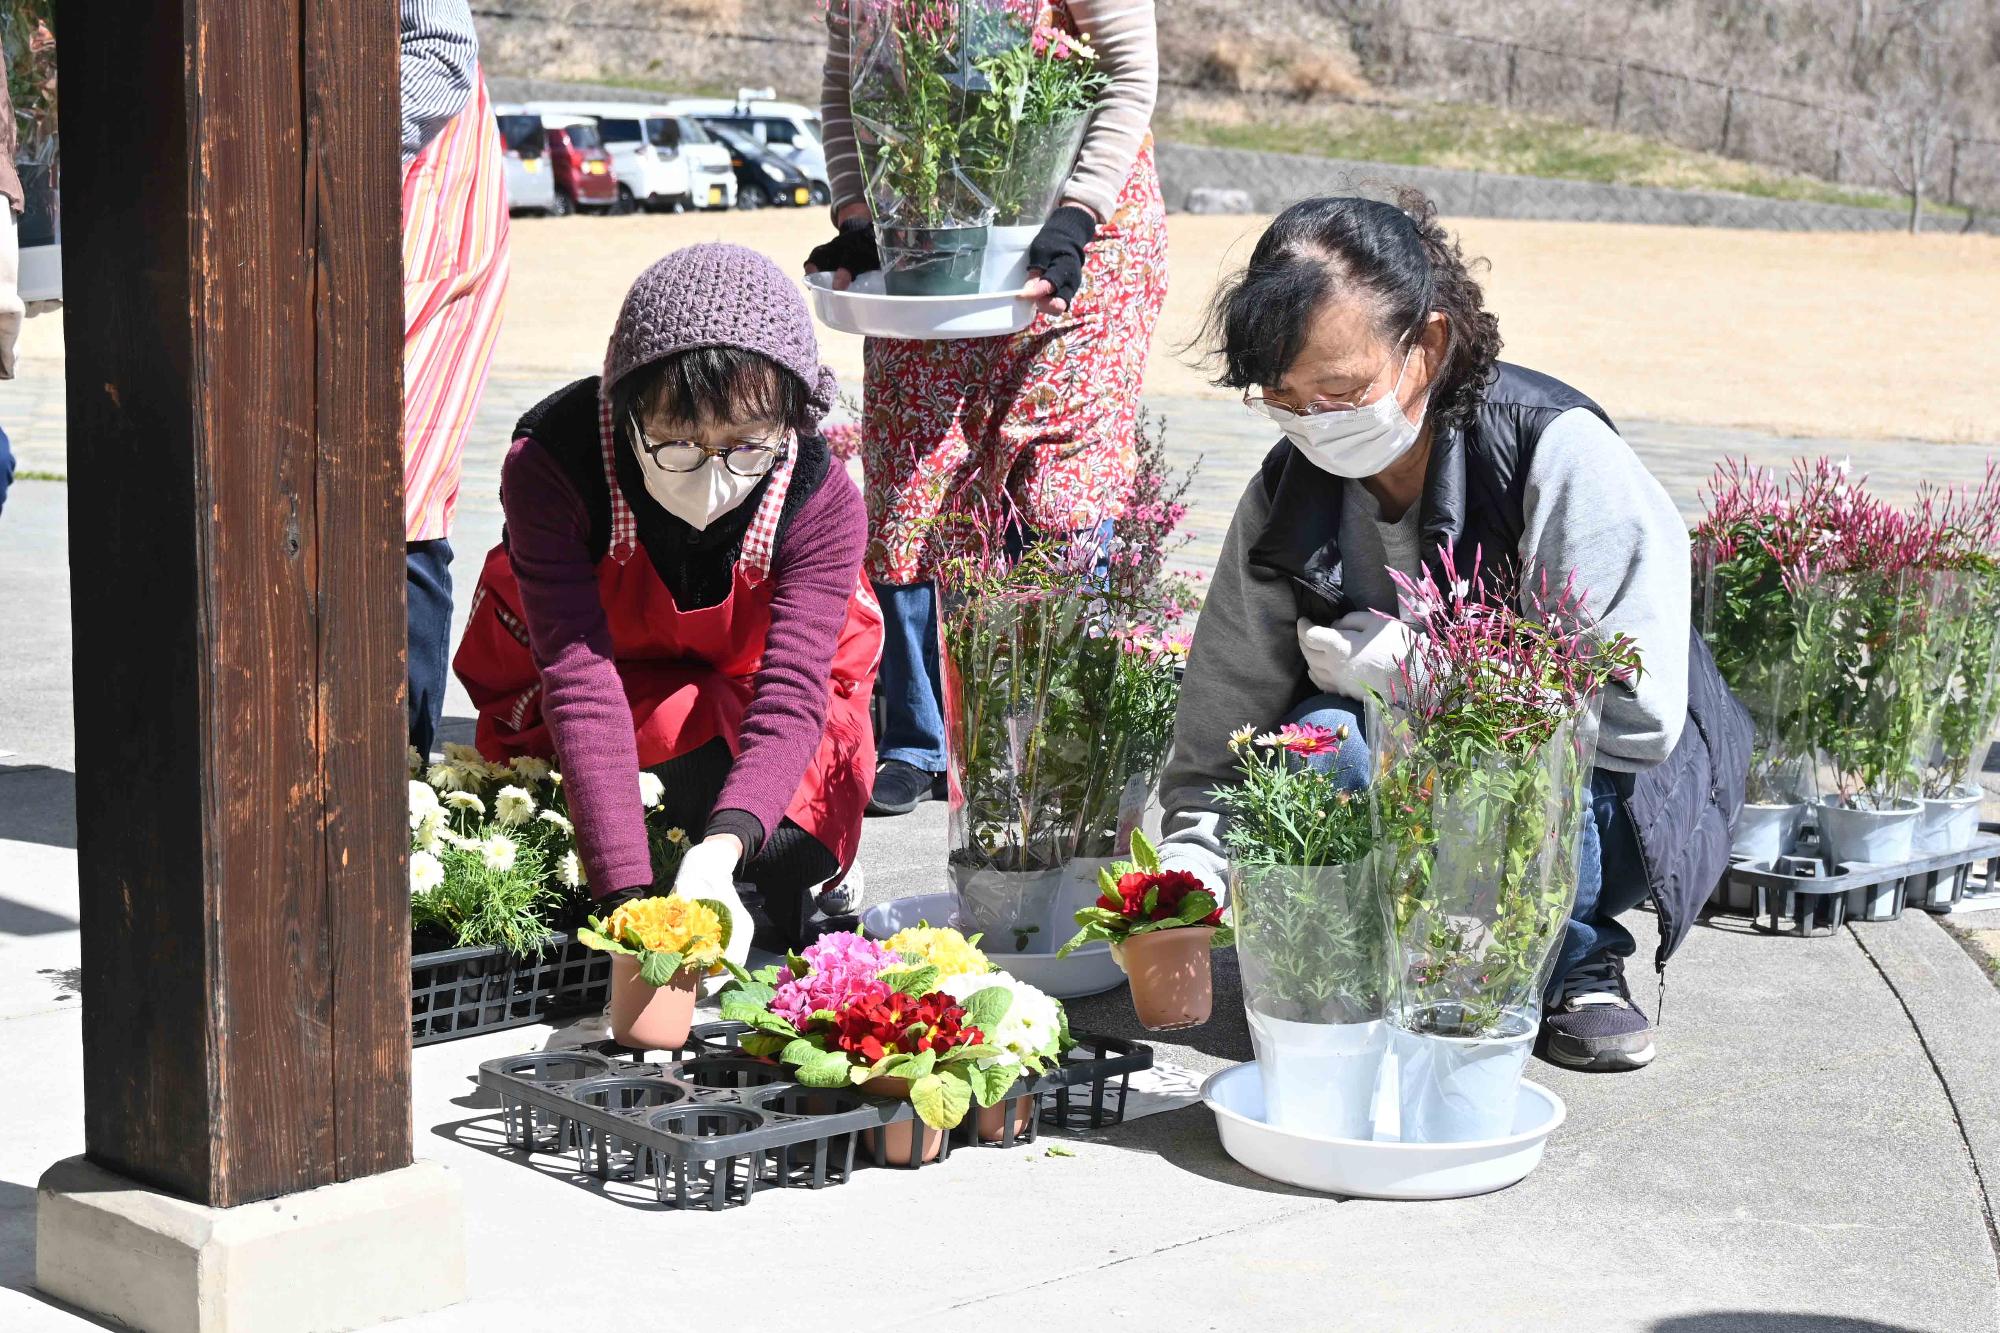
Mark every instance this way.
x=1358 y=328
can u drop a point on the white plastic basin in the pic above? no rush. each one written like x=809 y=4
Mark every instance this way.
x=1377 y=1170
x=868 y=310
x=1089 y=971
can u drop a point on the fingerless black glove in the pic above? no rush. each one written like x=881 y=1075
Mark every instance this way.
x=1058 y=249
x=853 y=249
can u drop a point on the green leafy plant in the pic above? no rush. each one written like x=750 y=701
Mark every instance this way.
x=1309 y=928
x=27 y=34
x=1023 y=130
x=1138 y=897
x=1485 y=759
x=1963 y=546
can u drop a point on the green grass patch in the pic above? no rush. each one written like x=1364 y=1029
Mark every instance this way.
x=35 y=474
x=1479 y=138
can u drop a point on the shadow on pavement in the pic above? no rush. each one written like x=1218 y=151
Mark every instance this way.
x=1772 y=1321
x=38 y=804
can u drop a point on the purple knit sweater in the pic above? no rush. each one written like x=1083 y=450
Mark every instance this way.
x=814 y=570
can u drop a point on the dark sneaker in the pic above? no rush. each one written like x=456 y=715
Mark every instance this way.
x=1594 y=1024
x=901 y=788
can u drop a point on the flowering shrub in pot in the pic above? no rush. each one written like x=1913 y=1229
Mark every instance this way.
x=1161 y=925
x=1309 y=932
x=1060 y=701
x=1485 y=750
x=1757 y=553
x=1963 y=548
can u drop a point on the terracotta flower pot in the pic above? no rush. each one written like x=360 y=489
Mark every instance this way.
x=892 y=1145
x=992 y=1122
x=1171 y=985
x=650 y=1018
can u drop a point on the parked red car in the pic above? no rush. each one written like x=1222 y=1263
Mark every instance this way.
x=583 y=168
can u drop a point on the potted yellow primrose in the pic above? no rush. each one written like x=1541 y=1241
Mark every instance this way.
x=660 y=950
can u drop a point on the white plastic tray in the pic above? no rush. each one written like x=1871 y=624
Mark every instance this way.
x=1377 y=1170
x=1089 y=971
x=866 y=309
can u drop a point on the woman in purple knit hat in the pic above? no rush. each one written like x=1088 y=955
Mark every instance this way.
x=678 y=591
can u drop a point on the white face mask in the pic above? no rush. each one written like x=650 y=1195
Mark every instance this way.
x=1361 y=441
x=699 y=497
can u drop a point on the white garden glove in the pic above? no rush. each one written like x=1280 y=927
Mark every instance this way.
x=1359 y=653
x=708 y=872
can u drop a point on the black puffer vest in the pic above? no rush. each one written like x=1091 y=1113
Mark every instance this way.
x=1474 y=499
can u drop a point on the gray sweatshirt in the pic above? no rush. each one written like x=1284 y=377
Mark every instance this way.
x=1592 y=508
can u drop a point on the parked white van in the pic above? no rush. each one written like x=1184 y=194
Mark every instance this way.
x=788 y=129
x=662 y=159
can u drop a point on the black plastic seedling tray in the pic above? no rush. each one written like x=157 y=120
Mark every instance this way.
x=463 y=992
x=710 y=1127
x=1814 y=904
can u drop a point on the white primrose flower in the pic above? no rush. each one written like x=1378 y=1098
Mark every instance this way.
x=570 y=871
x=414 y=760
x=513 y=806
x=498 y=852
x=464 y=756
x=423 y=802
x=464 y=800
x=426 y=872
x=651 y=790
x=557 y=818
x=1031 y=1023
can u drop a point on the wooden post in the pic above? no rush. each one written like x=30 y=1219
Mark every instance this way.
x=234 y=340
x=1728 y=114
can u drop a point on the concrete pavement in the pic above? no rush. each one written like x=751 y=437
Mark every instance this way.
x=1815 y=1150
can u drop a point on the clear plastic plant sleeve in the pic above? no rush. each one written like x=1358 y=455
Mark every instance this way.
x=1043 y=789
x=915 y=90
x=1480 y=858
x=1309 y=947
x=1873 y=705
x=1963 y=679
x=1764 y=647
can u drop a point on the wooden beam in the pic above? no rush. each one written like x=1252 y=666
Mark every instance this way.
x=234 y=332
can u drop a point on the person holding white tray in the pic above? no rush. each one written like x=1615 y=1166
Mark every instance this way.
x=977 y=442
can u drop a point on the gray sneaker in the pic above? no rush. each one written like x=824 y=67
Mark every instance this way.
x=1594 y=1024
x=844 y=898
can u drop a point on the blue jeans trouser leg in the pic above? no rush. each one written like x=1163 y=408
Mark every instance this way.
x=911 y=683
x=1611 y=880
x=6 y=467
x=429 y=579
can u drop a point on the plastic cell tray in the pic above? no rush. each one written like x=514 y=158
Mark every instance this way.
x=1819 y=904
x=463 y=992
x=710 y=1128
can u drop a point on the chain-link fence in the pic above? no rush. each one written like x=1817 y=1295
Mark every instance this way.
x=1841 y=144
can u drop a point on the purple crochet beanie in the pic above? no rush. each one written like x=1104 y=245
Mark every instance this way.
x=718 y=295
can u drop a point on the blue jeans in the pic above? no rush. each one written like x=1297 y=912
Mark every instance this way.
x=429 y=578
x=1610 y=881
x=911 y=683
x=6 y=468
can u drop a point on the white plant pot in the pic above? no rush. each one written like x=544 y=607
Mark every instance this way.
x=1766 y=832
x=1459 y=1089
x=1949 y=824
x=1006 y=266
x=1319 y=1078
x=1868 y=837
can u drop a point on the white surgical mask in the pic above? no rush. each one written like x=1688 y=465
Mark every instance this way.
x=1361 y=441
x=699 y=497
